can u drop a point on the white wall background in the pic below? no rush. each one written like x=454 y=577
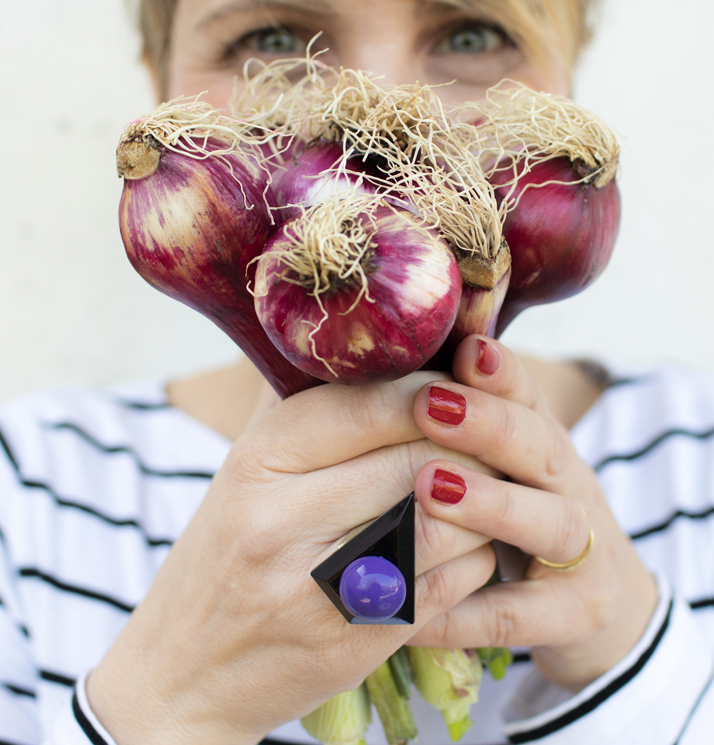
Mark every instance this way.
x=73 y=311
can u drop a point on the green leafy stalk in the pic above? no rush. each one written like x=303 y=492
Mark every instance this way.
x=497 y=659
x=343 y=720
x=393 y=708
x=448 y=679
x=402 y=671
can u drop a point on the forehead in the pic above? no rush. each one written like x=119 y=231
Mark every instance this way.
x=216 y=10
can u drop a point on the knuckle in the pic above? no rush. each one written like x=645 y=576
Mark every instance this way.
x=444 y=628
x=504 y=431
x=243 y=468
x=260 y=543
x=569 y=532
x=557 y=454
x=250 y=460
x=505 y=508
x=431 y=540
x=503 y=623
x=371 y=409
x=440 y=587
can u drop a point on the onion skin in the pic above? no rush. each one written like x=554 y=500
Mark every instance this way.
x=561 y=236
x=305 y=178
x=478 y=313
x=415 y=285
x=188 y=233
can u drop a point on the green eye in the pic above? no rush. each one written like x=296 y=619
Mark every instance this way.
x=271 y=41
x=473 y=40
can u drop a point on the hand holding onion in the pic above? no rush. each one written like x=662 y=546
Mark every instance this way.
x=376 y=241
x=234 y=638
x=578 y=623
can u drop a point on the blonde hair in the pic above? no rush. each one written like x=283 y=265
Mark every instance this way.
x=549 y=31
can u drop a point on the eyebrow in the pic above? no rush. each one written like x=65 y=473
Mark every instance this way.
x=250 y=6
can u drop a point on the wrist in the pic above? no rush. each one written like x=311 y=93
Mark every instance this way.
x=576 y=665
x=123 y=701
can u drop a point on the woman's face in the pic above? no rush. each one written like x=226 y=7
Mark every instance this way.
x=401 y=40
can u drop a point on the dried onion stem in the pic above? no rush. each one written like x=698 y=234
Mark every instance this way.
x=184 y=125
x=329 y=246
x=423 y=153
x=521 y=127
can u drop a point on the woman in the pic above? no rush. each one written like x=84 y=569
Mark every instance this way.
x=232 y=639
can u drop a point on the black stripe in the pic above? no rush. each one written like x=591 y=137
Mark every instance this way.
x=62 y=680
x=652 y=445
x=521 y=657
x=619 y=382
x=694 y=708
x=8 y=453
x=19 y=691
x=94 y=736
x=142 y=405
x=708 y=512
x=32 y=573
x=20 y=627
x=69 y=504
x=113 y=449
x=587 y=706
x=7 y=742
x=702 y=603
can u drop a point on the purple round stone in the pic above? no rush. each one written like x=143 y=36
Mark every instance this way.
x=373 y=589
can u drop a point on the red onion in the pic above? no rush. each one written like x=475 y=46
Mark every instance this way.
x=561 y=234
x=191 y=228
x=368 y=299
x=553 y=165
x=313 y=174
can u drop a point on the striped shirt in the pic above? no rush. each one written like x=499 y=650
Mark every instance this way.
x=95 y=485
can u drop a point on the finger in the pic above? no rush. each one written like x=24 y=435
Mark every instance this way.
x=508 y=615
x=528 y=447
x=540 y=523
x=323 y=506
x=436 y=542
x=445 y=586
x=485 y=364
x=361 y=490
x=357 y=491
x=333 y=423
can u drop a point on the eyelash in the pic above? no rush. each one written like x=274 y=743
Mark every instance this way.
x=238 y=45
x=475 y=25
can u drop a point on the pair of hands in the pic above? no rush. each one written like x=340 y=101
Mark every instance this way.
x=235 y=638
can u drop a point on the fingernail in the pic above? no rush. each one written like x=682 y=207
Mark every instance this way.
x=487 y=361
x=446 y=406
x=448 y=488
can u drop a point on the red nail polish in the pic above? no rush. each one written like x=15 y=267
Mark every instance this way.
x=488 y=360
x=448 y=488
x=446 y=406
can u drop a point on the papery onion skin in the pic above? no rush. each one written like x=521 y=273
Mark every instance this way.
x=188 y=233
x=415 y=285
x=561 y=235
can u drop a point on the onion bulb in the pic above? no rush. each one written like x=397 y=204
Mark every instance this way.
x=192 y=217
x=553 y=165
x=316 y=173
x=561 y=235
x=357 y=291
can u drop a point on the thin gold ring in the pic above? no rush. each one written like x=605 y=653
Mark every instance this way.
x=576 y=562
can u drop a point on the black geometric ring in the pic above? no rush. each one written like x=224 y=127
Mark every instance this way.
x=370 y=577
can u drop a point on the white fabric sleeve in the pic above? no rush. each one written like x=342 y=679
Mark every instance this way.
x=19 y=715
x=659 y=694
x=76 y=723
